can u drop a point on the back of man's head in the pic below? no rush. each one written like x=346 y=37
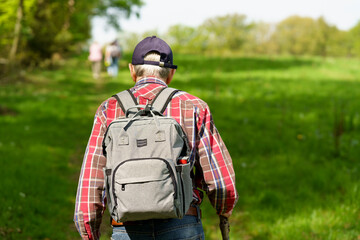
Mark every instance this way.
x=153 y=57
x=152 y=70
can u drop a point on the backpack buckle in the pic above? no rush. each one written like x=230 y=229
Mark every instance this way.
x=147 y=109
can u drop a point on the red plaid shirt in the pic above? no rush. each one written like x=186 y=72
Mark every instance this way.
x=209 y=155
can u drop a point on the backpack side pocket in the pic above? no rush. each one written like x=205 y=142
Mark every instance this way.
x=185 y=180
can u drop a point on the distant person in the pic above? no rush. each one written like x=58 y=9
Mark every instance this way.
x=95 y=57
x=112 y=56
x=152 y=69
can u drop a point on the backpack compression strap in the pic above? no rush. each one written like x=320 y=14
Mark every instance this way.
x=163 y=98
x=126 y=100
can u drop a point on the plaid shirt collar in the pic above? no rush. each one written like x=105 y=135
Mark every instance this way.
x=150 y=79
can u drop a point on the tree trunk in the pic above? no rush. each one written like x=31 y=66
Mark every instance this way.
x=71 y=8
x=17 y=30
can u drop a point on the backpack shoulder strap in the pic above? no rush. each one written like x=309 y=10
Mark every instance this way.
x=125 y=99
x=163 y=98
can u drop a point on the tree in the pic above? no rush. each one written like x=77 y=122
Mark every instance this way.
x=354 y=37
x=113 y=9
x=295 y=35
x=226 y=32
x=322 y=37
x=259 y=40
x=329 y=40
x=45 y=27
x=8 y=11
x=183 y=38
x=15 y=43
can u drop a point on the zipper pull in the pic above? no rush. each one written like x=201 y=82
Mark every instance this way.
x=122 y=187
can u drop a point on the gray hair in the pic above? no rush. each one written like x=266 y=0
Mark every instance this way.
x=152 y=70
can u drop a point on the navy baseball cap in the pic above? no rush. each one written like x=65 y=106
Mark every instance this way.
x=153 y=44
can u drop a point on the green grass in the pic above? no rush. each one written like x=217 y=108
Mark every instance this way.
x=292 y=126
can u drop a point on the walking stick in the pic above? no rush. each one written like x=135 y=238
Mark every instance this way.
x=224 y=227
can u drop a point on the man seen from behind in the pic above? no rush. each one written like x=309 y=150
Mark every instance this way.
x=152 y=69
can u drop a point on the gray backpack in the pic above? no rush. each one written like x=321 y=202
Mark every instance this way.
x=143 y=176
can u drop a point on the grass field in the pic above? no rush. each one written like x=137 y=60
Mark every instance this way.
x=292 y=126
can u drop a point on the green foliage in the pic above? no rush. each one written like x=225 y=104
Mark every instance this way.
x=306 y=36
x=7 y=13
x=233 y=34
x=56 y=27
x=112 y=9
x=184 y=39
x=259 y=40
x=291 y=125
x=354 y=35
x=225 y=33
x=295 y=35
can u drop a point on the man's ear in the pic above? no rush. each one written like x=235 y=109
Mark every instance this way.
x=132 y=72
x=171 y=75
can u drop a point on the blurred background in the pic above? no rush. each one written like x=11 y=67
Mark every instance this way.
x=281 y=79
x=34 y=31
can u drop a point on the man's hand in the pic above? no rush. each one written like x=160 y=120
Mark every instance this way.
x=224 y=227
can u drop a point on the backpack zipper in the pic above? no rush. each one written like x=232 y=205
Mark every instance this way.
x=172 y=175
x=183 y=194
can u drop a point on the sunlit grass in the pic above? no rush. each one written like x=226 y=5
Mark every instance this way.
x=291 y=125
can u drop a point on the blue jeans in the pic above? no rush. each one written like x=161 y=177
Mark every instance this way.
x=190 y=227
x=113 y=69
